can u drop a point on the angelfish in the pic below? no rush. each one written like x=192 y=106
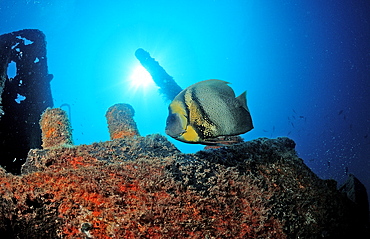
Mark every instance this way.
x=206 y=110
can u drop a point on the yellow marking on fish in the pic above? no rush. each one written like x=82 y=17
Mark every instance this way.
x=178 y=108
x=190 y=135
x=198 y=119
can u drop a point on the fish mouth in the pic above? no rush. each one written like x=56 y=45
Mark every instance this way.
x=174 y=135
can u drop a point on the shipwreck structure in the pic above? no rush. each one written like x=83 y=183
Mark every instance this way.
x=143 y=187
x=120 y=121
x=167 y=85
x=23 y=97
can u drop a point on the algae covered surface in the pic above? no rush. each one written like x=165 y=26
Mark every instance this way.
x=143 y=187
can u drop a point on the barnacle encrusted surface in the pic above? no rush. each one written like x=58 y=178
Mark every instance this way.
x=143 y=187
x=120 y=121
x=56 y=128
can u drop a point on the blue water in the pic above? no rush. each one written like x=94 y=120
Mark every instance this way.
x=304 y=64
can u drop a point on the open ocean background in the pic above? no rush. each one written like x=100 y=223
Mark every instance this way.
x=304 y=64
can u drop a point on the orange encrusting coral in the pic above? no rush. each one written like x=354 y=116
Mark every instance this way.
x=138 y=199
x=122 y=134
x=142 y=187
x=75 y=162
x=50 y=132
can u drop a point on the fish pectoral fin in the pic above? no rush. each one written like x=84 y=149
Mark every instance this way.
x=223 y=140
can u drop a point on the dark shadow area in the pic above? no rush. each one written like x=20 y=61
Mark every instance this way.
x=24 y=97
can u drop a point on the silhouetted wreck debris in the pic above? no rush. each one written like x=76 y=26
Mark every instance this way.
x=24 y=97
x=167 y=86
x=357 y=193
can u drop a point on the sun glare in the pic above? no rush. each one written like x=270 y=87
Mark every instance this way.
x=140 y=78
